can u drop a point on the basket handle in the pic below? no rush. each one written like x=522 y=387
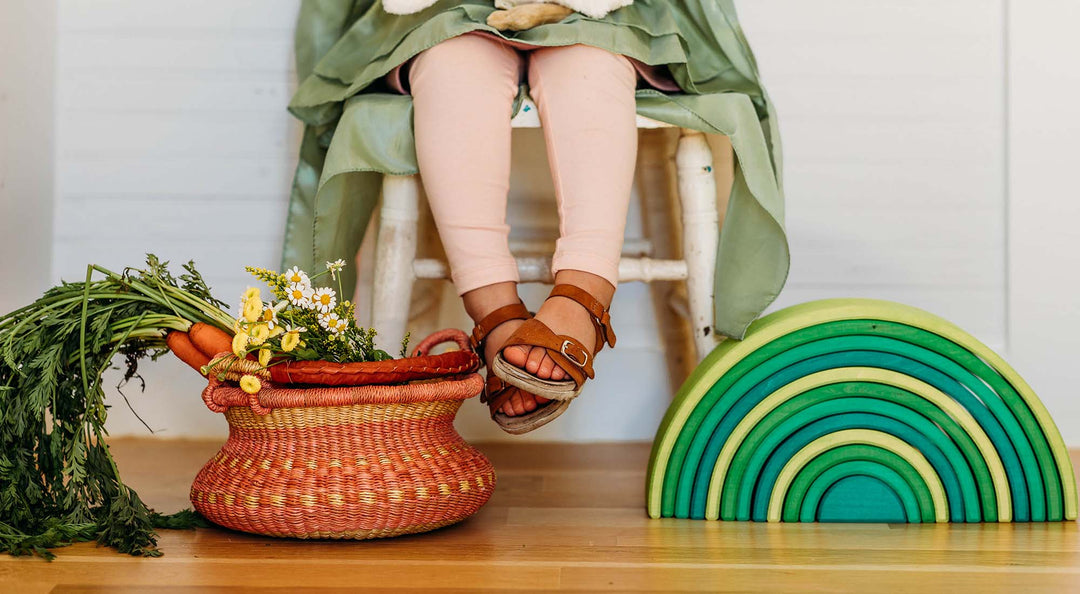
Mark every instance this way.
x=437 y=338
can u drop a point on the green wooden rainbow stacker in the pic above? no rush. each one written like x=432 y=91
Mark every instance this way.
x=858 y=410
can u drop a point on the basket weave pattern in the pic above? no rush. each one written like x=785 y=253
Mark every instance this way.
x=352 y=462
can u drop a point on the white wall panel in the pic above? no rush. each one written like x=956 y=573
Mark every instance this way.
x=893 y=120
x=1044 y=205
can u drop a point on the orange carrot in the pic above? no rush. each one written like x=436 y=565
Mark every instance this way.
x=212 y=341
x=181 y=346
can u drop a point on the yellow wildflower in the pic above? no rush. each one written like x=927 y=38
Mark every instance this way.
x=250 y=384
x=259 y=334
x=252 y=294
x=277 y=331
x=253 y=309
x=239 y=343
x=264 y=357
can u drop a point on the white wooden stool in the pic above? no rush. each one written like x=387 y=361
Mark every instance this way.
x=397 y=267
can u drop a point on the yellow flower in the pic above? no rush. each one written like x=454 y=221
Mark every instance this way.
x=277 y=331
x=253 y=309
x=259 y=334
x=252 y=294
x=264 y=357
x=237 y=327
x=250 y=384
x=290 y=341
x=239 y=343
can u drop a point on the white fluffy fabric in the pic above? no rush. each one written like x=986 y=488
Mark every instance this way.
x=591 y=8
x=596 y=9
x=406 y=6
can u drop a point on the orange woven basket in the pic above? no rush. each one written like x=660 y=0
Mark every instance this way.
x=355 y=462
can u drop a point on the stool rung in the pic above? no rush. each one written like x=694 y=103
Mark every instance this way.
x=538 y=270
x=632 y=248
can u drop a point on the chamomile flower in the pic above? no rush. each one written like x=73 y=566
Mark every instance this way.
x=295 y=276
x=332 y=322
x=269 y=314
x=324 y=299
x=334 y=267
x=300 y=295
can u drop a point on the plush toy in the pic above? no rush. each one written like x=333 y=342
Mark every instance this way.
x=519 y=15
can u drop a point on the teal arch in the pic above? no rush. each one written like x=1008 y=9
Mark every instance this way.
x=780 y=425
x=859 y=452
x=810 y=509
x=1017 y=439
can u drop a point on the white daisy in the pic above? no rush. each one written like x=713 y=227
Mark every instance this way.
x=332 y=322
x=323 y=299
x=269 y=314
x=295 y=276
x=334 y=267
x=300 y=295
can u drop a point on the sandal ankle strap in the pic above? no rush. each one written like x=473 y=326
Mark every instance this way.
x=514 y=311
x=600 y=316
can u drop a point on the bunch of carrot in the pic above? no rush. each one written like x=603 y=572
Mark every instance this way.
x=199 y=344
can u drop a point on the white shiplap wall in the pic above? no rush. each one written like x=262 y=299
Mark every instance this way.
x=172 y=137
x=892 y=115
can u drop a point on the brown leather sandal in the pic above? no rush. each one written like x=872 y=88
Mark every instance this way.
x=496 y=391
x=568 y=353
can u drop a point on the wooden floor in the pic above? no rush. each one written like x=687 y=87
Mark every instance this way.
x=563 y=518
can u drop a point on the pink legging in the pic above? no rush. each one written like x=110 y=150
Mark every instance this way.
x=463 y=90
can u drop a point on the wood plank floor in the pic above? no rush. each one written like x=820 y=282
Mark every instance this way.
x=563 y=518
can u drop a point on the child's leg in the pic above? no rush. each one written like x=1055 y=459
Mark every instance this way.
x=585 y=96
x=463 y=91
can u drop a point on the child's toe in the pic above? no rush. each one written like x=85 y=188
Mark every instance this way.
x=536 y=356
x=546 y=367
x=529 y=401
x=516 y=355
x=517 y=403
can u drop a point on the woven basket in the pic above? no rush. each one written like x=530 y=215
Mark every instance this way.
x=356 y=462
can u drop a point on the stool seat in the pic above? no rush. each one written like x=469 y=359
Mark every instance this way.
x=529 y=117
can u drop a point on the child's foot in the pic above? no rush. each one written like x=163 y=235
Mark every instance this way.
x=520 y=401
x=563 y=316
x=479 y=303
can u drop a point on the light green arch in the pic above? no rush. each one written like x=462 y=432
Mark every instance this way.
x=854 y=437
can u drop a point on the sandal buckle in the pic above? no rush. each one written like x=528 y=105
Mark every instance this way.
x=584 y=354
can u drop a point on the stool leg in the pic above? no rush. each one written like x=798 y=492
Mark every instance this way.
x=697 y=198
x=658 y=191
x=394 y=256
